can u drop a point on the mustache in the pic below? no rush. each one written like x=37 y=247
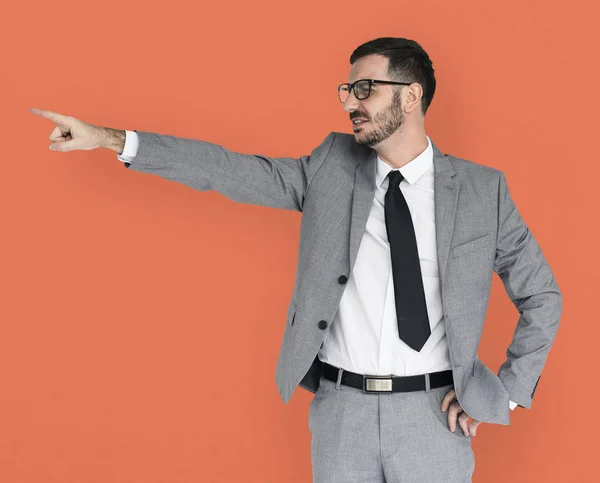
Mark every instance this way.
x=358 y=116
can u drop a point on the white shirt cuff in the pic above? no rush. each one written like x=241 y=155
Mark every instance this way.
x=132 y=143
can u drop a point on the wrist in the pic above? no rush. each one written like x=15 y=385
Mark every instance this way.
x=114 y=139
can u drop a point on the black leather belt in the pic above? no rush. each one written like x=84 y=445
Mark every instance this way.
x=387 y=384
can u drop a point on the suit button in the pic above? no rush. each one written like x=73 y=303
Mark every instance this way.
x=342 y=279
x=322 y=324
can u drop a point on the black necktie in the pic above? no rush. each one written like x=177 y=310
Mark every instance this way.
x=411 y=308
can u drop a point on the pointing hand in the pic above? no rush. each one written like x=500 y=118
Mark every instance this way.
x=71 y=134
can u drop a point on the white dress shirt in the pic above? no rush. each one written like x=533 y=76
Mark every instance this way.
x=363 y=337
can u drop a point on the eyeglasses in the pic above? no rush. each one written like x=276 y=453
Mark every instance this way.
x=362 y=88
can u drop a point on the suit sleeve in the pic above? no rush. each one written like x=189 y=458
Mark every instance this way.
x=245 y=178
x=530 y=284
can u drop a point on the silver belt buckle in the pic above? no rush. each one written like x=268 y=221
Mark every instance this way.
x=377 y=383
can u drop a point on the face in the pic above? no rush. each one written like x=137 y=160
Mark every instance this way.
x=382 y=109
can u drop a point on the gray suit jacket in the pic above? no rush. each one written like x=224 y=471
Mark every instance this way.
x=478 y=230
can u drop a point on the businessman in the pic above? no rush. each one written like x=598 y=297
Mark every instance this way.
x=398 y=244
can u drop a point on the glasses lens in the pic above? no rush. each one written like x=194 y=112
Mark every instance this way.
x=362 y=89
x=343 y=92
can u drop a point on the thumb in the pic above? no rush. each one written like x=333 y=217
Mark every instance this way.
x=65 y=146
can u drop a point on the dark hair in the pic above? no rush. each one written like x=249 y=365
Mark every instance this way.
x=408 y=62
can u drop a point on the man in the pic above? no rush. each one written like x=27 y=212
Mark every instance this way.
x=398 y=245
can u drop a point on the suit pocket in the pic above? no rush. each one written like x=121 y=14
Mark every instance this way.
x=314 y=403
x=471 y=245
x=291 y=313
x=436 y=397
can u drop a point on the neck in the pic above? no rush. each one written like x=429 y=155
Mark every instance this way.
x=402 y=147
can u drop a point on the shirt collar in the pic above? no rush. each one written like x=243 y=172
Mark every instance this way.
x=412 y=170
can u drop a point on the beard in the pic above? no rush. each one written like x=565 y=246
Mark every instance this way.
x=384 y=124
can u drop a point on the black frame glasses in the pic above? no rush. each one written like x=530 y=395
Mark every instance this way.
x=361 y=86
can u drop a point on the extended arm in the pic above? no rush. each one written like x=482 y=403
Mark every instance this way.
x=246 y=178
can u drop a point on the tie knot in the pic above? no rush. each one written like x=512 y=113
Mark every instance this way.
x=395 y=178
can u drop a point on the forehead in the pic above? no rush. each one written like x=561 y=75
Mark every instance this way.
x=369 y=67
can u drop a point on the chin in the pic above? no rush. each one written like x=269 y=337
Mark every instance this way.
x=364 y=140
x=360 y=137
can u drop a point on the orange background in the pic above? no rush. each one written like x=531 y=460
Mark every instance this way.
x=141 y=320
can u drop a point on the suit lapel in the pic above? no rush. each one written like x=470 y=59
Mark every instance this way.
x=446 y=187
x=362 y=200
x=445 y=193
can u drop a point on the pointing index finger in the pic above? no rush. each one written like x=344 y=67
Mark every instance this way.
x=53 y=116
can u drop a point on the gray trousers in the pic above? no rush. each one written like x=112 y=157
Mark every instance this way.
x=400 y=437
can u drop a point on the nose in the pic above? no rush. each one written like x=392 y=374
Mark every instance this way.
x=351 y=102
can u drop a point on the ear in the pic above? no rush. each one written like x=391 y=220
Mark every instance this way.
x=412 y=96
